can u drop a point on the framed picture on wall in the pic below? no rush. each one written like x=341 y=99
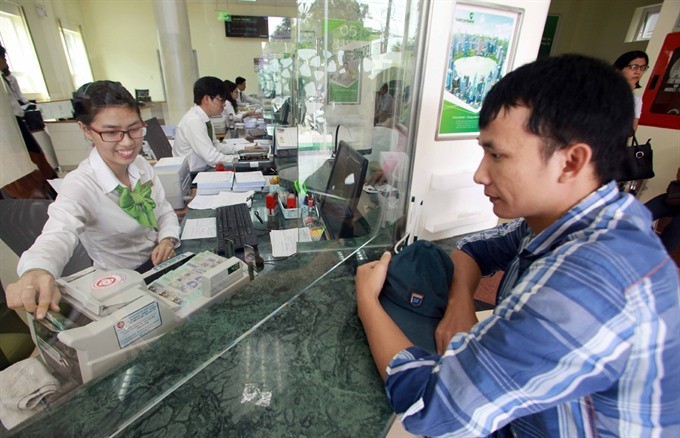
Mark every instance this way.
x=481 y=49
x=344 y=85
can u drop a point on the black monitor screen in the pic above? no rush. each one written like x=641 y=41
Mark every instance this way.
x=157 y=140
x=338 y=206
x=246 y=26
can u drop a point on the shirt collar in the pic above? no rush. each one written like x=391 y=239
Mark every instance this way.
x=105 y=177
x=201 y=114
x=573 y=219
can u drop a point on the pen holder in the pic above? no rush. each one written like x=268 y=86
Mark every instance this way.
x=289 y=213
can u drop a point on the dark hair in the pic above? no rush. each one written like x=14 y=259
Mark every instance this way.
x=385 y=87
x=209 y=86
x=625 y=59
x=2 y=52
x=239 y=80
x=93 y=97
x=230 y=88
x=572 y=99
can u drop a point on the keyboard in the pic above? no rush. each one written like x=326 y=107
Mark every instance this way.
x=234 y=223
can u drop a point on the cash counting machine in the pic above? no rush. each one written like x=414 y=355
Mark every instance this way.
x=108 y=316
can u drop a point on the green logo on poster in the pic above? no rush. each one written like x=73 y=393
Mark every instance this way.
x=472 y=16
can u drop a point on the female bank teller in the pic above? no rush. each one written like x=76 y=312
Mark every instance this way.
x=231 y=107
x=113 y=203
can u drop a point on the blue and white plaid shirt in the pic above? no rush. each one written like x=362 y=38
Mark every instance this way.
x=584 y=341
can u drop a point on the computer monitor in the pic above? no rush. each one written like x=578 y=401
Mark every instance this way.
x=282 y=114
x=157 y=140
x=338 y=206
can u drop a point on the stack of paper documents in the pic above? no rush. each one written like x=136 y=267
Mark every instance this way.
x=249 y=180
x=212 y=183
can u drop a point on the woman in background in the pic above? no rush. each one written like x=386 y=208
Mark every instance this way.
x=113 y=203
x=633 y=66
x=231 y=109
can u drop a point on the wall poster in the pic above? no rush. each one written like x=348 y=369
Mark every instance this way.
x=480 y=52
x=344 y=85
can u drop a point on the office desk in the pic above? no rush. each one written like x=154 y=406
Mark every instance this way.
x=285 y=355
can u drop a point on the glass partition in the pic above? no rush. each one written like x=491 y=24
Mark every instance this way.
x=355 y=70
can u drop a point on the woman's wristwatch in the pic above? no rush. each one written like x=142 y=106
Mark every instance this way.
x=175 y=241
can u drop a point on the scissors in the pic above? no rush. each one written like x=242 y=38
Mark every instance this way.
x=301 y=189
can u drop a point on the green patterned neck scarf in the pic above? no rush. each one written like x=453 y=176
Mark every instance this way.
x=138 y=203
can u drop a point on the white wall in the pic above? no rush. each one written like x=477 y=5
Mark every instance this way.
x=595 y=27
x=124 y=46
x=458 y=156
x=121 y=39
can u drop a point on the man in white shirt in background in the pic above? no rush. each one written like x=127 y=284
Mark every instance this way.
x=385 y=106
x=195 y=135
x=35 y=185
x=16 y=97
x=243 y=98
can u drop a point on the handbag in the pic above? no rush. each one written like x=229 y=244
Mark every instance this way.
x=673 y=194
x=638 y=162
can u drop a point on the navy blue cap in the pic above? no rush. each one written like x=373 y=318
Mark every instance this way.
x=416 y=291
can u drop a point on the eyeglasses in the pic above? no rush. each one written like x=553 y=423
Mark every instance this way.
x=116 y=136
x=221 y=99
x=636 y=67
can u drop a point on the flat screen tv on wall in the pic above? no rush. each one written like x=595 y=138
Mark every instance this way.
x=246 y=26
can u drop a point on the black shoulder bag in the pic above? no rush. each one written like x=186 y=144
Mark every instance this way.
x=638 y=162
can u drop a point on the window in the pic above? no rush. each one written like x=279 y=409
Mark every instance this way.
x=21 y=56
x=642 y=26
x=76 y=55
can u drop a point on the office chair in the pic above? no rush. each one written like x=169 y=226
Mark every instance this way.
x=22 y=220
x=15 y=337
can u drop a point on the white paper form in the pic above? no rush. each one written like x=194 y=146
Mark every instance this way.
x=206 y=202
x=286 y=138
x=284 y=242
x=202 y=202
x=233 y=198
x=241 y=143
x=204 y=228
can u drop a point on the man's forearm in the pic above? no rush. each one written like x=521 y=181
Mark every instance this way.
x=466 y=277
x=460 y=310
x=385 y=338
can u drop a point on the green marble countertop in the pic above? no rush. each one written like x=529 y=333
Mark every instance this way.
x=286 y=355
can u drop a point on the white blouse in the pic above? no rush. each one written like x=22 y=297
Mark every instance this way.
x=86 y=209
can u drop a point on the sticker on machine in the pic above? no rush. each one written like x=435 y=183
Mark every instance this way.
x=108 y=280
x=138 y=324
